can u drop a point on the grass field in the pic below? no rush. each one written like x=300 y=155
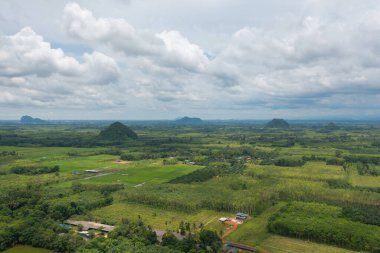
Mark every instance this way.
x=365 y=181
x=254 y=231
x=27 y=249
x=146 y=172
x=280 y=244
x=157 y=218
x=46 y=156
x=310 y=171
x=141 y=172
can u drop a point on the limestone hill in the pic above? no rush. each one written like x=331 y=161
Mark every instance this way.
x=117 y=131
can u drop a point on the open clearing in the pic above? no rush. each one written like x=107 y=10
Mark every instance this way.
x=27 y=249
x=280 y=244
x=157 y=218
x=254 y=231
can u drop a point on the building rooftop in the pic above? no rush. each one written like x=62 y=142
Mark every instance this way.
x=91 y=225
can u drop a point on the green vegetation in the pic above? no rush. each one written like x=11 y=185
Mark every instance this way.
x=277 y=123
x=311 y=182
x=34 y=170
x=27 y=249
x=324 y=223
x=255 y=230
x=117 y=132
x=280 y=244
x=155 y=217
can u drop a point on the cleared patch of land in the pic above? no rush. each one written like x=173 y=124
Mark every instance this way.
x=157 y=218
x=254 y=231
x=27 y=249
x=280 y=244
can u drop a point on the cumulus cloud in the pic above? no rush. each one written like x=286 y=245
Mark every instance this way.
x=33 y=73
x=319 y=58
x=324 y=55
x=167 y=47
x=26 y=53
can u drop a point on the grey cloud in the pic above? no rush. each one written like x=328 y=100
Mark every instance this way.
x=26 y=53
x=318 y=57
x=170 y=47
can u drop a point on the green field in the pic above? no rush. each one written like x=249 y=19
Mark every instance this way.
x=254 y=231
x=194 y=175
x=280 y=244
x=27 y=249
x=135 y=173
x=157 y=218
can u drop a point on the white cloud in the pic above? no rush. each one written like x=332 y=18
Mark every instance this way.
x=27 y=54
x=317 y=59
x=167 y=47
x=317 y=56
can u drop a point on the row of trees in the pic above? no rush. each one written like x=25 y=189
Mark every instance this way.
x=8 y=153
x=34 y=170
x=204 y=241
x=209 y=172
x=321 y=223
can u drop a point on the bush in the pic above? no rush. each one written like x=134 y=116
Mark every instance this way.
x=34 y=170
x=335 y=161
x=289 y=162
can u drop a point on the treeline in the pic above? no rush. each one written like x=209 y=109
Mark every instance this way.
x=363 y=159
x=135 y=230
x=34 y=170
x=343 y=184
x=31 y=215
x=365 y=214
x=151 y=199
x=81 y=199
x=205 y=241
x=322 y=223
x=207 y=173
x=335 y=161
x=367 y=169
x=105 y=189
x=24 y=220
x=186 y=198
x=139 y=238
x=30 y=225
x=64 y=140
x=289 y=162
x=38 y=231
x=8 y=153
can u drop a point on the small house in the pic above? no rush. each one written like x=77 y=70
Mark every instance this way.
x=223 y=219
x=92 y=171
x=241 y=216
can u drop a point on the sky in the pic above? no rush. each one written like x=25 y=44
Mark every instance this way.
x=214 y=59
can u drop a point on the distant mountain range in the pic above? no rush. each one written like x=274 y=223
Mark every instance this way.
x=30 y=120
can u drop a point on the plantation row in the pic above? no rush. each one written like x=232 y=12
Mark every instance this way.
x=207 y=173
x=323 y=223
